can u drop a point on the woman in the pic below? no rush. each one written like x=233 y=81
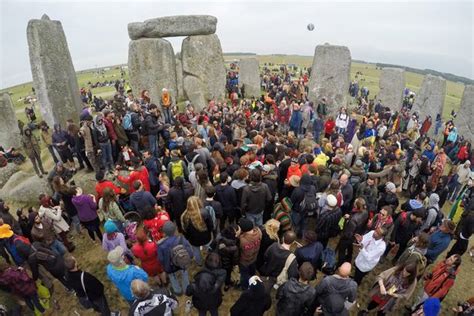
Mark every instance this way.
x=146 y=250
x=392 y=286
x=64 y=192
x=162 y=196
x=153 y=223
x=202 y=182
x=269 y=236
x=197 y=225
x=109 y=208
x=226 y=247
x=342 y=120
x=87 y=213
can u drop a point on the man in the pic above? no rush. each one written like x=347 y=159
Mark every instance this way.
x=88 y=288
x=462 y=178
x=389 y=197
x=372 y=247
x=176 y=167
x=61 y=142
x=404 y=230
x=347 y=193
x=153 y=165
x=250 y=238
x=327 y=222
x=32 y=149
x=151 y=302
x=138 y=172
x=141 y=200
x=368 y=190
x=336 y=293
x=102 y=139
x=90 y=147
x=300 y=210
x=103 y=183
x=151 y=127
x=109 y=117
x=296 y=296
x=60 y=171
x=132 y=122
x=122 y=274
x=467 y=228
x=226 y=195
x=254 y=198
x=204 y=155
x=322 y=108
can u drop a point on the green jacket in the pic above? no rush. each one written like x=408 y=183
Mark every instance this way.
x=31 y=145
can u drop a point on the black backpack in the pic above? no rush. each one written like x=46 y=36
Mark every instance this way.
x=439 y=218
x=180 y=257
x=309 y=204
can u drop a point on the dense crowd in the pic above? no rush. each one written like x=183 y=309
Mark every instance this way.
x=249 y=193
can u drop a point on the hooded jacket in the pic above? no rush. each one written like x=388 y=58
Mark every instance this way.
x=142 y=200
x=255 y=196
x=333 y=291
x=252 y=302
x=298 y=193
x=294 y=298
x=206 y=289
x=123 y=277
x=86 y=207
x=227 y=196
x=274 y=262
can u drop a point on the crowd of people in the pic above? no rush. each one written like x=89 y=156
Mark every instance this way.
x=255 y=194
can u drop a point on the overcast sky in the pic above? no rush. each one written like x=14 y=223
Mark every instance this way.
x=427 y=34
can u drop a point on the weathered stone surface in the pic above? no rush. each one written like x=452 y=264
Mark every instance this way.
x=392 y=83
x=54 y=77
x=178 y=25
x=465 y=118
x=202 y=59
x=330 y=76
x=9 y=131
x=179 y=77
x=23 y=187
x=430 y=100
x=6 y=172
x=152 y=67
x=249 y=77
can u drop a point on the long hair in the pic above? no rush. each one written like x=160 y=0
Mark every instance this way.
x=272 y=226
x=108 y=196
x=410 y=268
x=192 y=214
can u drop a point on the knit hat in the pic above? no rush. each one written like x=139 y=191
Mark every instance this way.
x=5 y=231
x=390 y=186
x=169 y=228
x=332 y=200
x=432 y=307
x=110 y=227
x=245 y=224
x=115 y=256
x=434 y=199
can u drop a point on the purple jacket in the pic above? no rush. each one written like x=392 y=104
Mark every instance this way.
x=86 y=207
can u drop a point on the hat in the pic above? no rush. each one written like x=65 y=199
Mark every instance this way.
x=432 y=307
x=115 y=256
x=359 y=163
x=294 y=181
x=169 y=228
x=294 y=159
x=331 y=200
x=245 y=224
x=110 y=227
x=390 y=186
x=5 y=231
x=336 y=161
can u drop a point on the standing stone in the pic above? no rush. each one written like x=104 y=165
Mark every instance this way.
x=249 y=77
x=54 y=77
x=9 y=132
x=203 y=69
x=178 y=25
x=330 y=76
x=392 y=83
x=152 y=67
x=430 y=100
x=179 y=77
x=465 y=117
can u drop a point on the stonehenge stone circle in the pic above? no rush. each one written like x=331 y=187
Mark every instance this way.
x=152 y=67
x=430 y=99
x=392 y=83
x=178 y=25
x=179 y=77
x=203 y=69
x=330 y=76
x=9 y=131
x=54 y=77
x=464 y=120
x=249 y=77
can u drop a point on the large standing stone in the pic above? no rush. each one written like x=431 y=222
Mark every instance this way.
x=151 y=66
x=178 y=25
x=23 y=187
x=54 y=77
x=249 y=77
x=430 y=100
x=9 y=131
x=392 y=83
x=203 y=61
x=465 y=117
x=179 y=77
x=330 y=76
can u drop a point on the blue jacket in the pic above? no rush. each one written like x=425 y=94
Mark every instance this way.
x=164 y=251
x=142 y=200
x=122 y=278
x=439 y=241
x=151 y=165
x=310 y=253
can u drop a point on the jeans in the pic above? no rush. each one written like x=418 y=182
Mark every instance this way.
x=167 y=115
x=58 y=247
x=245 y=273
x=106 y=156
x=153 y=145
x=175 y=282
x=455 y=191
x=257 y=219
x=76 y=223
x=298 y=222
x=197 y=255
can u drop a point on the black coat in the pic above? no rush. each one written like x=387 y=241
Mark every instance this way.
x=227 y=196
x=228 y=250
x=252 y=302
x=294 y=298
x=206 y=289
x=194 y=236
x=255 y=197
x=274 y=262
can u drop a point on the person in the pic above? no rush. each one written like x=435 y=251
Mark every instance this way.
x=440 y=240
x=147 y=252
x=327 y=222
x=254 y=301
x=336 y=293
x=138 y=172
x=91 y=147
x=347 y=193
x=270 y=234
x=62 y=142
x=109 y=209
x=152 y=126
x=254 y=198
x=122 y=274
x=206 y=288
x=226 y=247
x=393 y=285
x=166 y=102
x=43 y=231
x=300 y=210
x=462 y=177
x=32 y=149
x=295 y=296
x=64 y=193
x=87 y=213
x=404 y=230
x=372 y=247
x=141 y=199
x=176 y=167
x=151 y=302
x=227 y=196
x=198 y=226
x=310 y=251
x=250 y=238
x=153 y=222
x=153 y=165
x=415 y=254
x=165 y=256
x=112 y=238
x=103 y=183
x=87 y=287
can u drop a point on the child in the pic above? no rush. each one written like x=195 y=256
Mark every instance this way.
x=113 y=238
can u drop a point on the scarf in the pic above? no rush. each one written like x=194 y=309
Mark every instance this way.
x=100 y=127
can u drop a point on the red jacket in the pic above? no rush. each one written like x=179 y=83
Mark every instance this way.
x=441 y=280
x=135 y=175
x=110 y=129
x=148 y=255
x=155 y=224
x=329 y=126
x=100 y=186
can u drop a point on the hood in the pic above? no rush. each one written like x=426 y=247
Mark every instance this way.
x=434 y=200
x=295 y=287
x=205 y=280
x=414 y=204
x=255 y=187
x=237 y=184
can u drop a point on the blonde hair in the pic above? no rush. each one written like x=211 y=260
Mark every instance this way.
x=272 y=226
x=192 y=214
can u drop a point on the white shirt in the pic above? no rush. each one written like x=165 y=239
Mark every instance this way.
x=370 y=253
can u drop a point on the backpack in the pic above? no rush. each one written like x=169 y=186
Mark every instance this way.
x=127 y=122
x=439 y=218
x=191 y=167
x=44 y=254
x=180 y=257
x=23 y=239
x=283 y=276
x=212 y=213
x=177 y=169
x=328 y=261
x=310 y=203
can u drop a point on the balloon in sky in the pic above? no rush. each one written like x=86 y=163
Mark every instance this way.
x=310 y=27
